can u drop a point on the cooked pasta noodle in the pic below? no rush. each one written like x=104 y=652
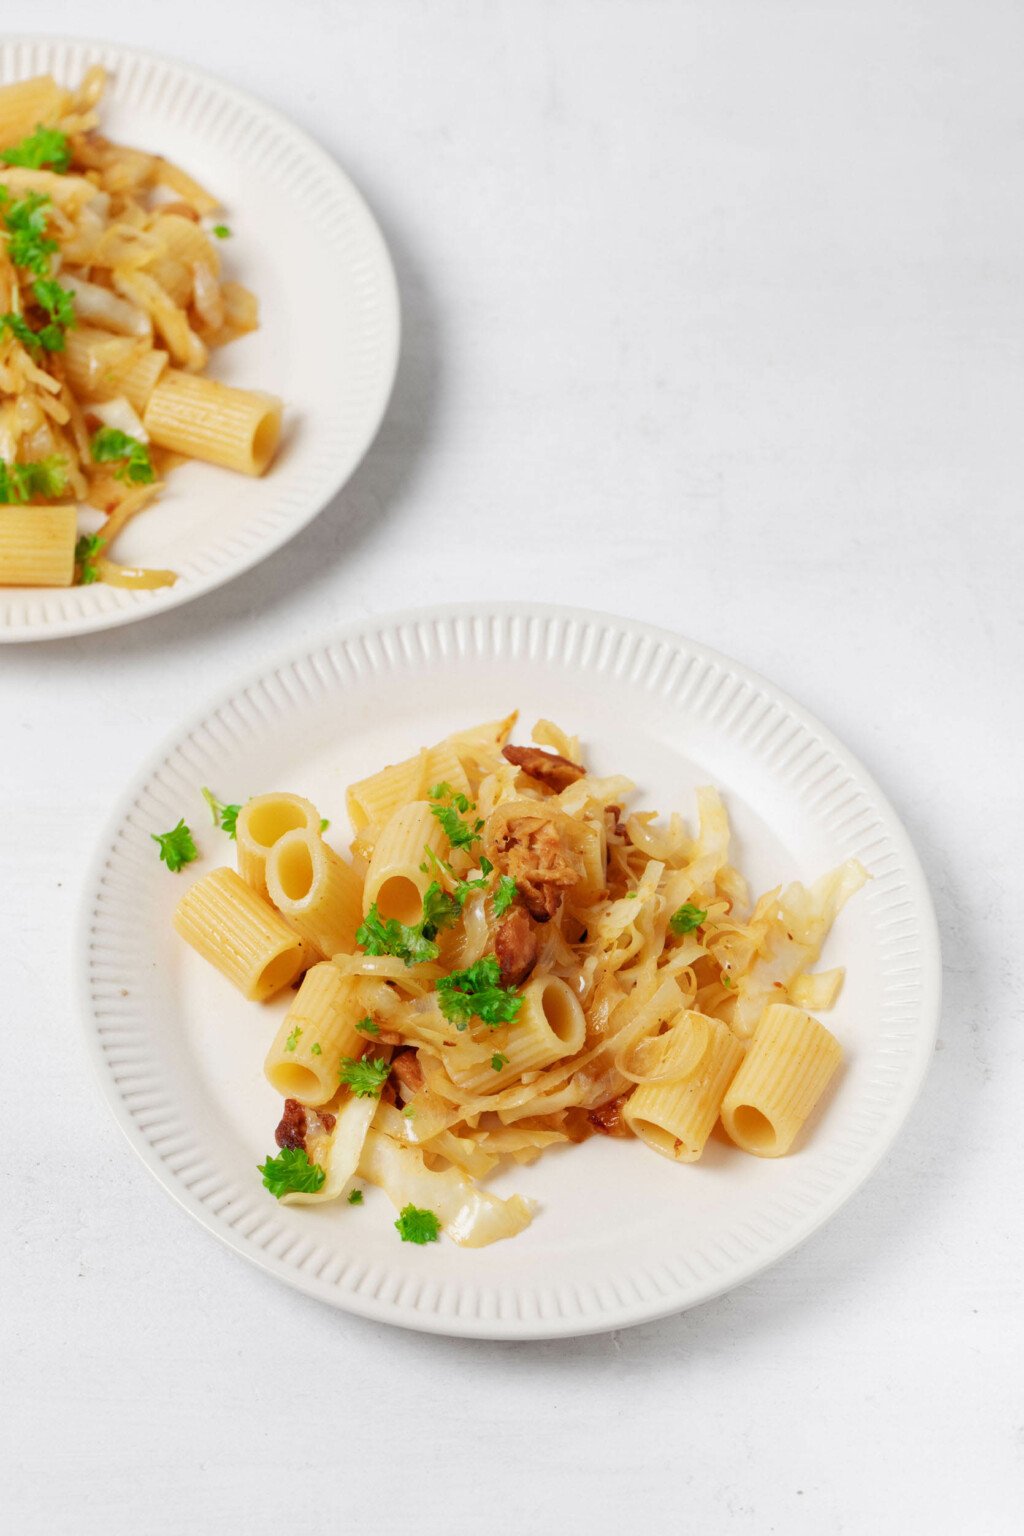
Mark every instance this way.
x=791 y=1061
x=240 y=934
x=514 y=961
x=111 y=302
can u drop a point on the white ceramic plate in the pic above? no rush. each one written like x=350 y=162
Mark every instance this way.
x=305 y=242
x=621 y=1235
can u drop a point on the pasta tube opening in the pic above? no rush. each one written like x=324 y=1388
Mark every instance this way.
x=293 y=1081
x=398 y=897
x=753 y=1129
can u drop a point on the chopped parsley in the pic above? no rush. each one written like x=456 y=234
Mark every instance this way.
x=417 y=1226
x=449 y=803
x=314 y=1049
x=324 y=823
x=366 y=1078
x=41 y=477
x=686 y=918
x=505 y=895
x=86 y=552
x=356 y=1197
x=726 y=980
x=224 y=816
x=20 y=329
x=498 y=1061
x=293 y=1039
x=45 y=147
x=439 y=909
x=176 y=847
x=387 y=936
x=291 y=1172
x=409 y=1112
x=477 y=992
x=368 y=1027
x=112 y=446
x=28 y=244
x=222 y=232
x=59 y=305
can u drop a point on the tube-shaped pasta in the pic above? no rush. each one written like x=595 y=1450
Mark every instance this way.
x=318 y=893
x=791 y=1061
x=204 y=419
x=550 y=1026
x=229 y=925
x=37 y=546
x=676 y=1117
x=261 y=822
x=316 y=1032
x=376 y=799
x=27 y=103
x=394 y=879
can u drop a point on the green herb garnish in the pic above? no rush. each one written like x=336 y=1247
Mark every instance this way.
x=387 y=936
x=86 y=552
x=293 y=1039
x=417 y=1226
x=449 y=803
x=356 y=1197
x=45 y=147
x=368 y=1027
x=42 y=477
x=224 y=816
x=686 y=918
x=222 y=232
x=28 y=244
x=176 y=847
x=112 y=446
x=291 y=1172
x=498 y=1061
x=505 y=895
x=477 y=992
x=365 y=1078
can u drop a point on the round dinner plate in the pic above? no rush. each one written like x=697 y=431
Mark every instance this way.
x=620 y=1235
x=305 y=242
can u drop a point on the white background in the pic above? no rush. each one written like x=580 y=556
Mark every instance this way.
x=713 y=315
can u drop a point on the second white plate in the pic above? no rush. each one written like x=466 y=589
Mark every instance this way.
x=308 y=246
x=622 y=1235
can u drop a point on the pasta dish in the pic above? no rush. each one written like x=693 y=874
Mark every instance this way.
x=511 y=960
x=111 y=301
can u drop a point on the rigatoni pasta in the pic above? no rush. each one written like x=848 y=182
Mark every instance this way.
x=512 y=961
x=241 y=935
x=791 y=1061
x=112 y=298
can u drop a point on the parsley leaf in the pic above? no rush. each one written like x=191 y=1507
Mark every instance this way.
x=356 y=1197
x=291 y=1171
x=224 y=816
x=222 y=232
x=111 y=446
x=42 y=477
x=686 y=918
x=380 y=936
x=498 y=1061
x=477 y=992
x=324 y=823
x=293 y=1039
x=47 y=146
x=439 y=910
x=368 y=1027
x=458 y=832
x=28 y=244
x=86 y=551
x=176 y=847
x=505 y=895
x=366 y=1078
x=417 y=1226
x=314 y=1049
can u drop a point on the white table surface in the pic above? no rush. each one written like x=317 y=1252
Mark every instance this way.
x=713 y=315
